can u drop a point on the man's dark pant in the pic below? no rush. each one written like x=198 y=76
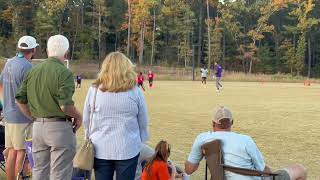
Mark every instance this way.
x=125 y=169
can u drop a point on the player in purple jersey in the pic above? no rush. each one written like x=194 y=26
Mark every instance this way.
x=218 y=74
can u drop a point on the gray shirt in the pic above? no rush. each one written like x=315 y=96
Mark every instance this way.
x=11 y=79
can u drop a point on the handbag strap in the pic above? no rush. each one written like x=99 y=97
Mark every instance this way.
x=93 y=109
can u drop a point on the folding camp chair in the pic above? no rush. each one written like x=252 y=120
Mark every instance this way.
x=2 y=160
x=29 y=159
x=2 y=148
x=214 y=161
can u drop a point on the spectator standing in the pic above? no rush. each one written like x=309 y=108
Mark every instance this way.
x=17 y=125
x=46 y=96
x=119 y=124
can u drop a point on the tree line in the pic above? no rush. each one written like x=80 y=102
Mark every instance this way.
x=259 y=36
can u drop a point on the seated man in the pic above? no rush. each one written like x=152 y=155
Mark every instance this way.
x=238 y=151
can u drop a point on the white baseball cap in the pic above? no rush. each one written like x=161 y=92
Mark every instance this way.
x=27 y=42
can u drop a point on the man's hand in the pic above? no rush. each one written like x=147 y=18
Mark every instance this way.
x=24 y=108
x=77 y=122
x=71 y=111
x=190 y=167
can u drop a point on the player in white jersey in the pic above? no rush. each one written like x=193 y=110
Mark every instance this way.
x=204 y=74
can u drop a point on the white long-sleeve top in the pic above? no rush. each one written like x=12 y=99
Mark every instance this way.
x=119 y=124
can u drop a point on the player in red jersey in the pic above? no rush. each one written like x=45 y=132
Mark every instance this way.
x=150 y=78
x=140 y=80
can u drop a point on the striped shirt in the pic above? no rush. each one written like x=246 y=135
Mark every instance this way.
x=119 y=124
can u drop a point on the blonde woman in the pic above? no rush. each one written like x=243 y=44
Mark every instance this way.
x=119 y=124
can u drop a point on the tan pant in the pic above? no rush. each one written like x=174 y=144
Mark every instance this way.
x=15 y=135
x=53 y=149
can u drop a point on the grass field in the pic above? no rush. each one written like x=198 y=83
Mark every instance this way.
x=282 y=118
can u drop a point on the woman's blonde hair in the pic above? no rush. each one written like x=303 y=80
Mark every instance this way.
x=117 y=74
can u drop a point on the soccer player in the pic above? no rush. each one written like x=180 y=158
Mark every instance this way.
x=140 y=80
x=150 y=77
x=204 y=74
x=78 y=79
x=218 y=74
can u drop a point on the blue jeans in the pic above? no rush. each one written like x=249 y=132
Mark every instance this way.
x=125 y=169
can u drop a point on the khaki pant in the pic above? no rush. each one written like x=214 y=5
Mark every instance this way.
x=16 y=134
x=53 y=149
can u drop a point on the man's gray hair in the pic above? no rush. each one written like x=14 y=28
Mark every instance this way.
x=57 y=46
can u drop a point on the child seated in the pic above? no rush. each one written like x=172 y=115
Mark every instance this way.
x=158 y=166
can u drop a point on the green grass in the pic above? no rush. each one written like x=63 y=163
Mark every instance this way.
x=282 y=118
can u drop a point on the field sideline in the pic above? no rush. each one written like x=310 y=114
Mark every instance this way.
x=283 y=118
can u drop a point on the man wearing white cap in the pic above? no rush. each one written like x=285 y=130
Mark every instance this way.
x=46 y=96
x=238 y=151
x=17 y=125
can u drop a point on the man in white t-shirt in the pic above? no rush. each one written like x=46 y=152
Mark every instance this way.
x=238 y=150
x=204 y=74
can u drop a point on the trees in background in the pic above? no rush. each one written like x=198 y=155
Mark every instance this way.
x=266 y=36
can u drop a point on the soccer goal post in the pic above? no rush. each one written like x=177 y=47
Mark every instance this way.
x=37 y=61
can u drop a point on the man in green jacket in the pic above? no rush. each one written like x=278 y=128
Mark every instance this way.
x=46 y=96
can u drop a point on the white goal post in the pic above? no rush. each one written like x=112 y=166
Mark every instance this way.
x=41 y=60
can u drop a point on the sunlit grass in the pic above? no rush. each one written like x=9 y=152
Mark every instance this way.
x=282 y=118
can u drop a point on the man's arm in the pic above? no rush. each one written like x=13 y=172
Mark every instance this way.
x=22 y=99
x=66 y=90
x=190 y=167
x=195 y=156
x=24 y=108
x=256 y=156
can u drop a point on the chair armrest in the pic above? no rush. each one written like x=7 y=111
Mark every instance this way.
x=247 y=172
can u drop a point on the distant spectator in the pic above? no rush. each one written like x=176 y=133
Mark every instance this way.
x=17 y=125
x=140 y=80
x=78 y=81
x=119 y=124
x=157 y=168
x=150 y=78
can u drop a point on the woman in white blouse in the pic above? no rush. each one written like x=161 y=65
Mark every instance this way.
x=119 y=123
